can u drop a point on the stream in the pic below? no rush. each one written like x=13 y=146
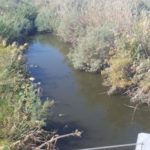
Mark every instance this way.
x=81 y=100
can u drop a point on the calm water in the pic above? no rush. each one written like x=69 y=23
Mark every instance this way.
x=81 y=100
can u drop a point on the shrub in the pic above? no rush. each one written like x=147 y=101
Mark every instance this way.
x=17 y=21
x=92 y=49
x=69 y=17
x=118 y=73
x=42 y=22
x=141 y=93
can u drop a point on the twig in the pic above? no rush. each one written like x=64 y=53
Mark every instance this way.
x=134 y=111
x=55 y=138
x=102 y=93
x=129 y=106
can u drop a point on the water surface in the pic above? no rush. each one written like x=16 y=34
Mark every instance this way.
x=81 y=100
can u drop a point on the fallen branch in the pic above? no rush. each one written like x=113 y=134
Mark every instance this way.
x=129 y=106
x=101 y=93
x=135 y=111
x=32 y=138
x=55 y=138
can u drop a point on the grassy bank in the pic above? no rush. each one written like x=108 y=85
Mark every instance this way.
x=20 y=107
x=111 y=37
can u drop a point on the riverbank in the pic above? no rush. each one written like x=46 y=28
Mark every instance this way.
x=21 y=109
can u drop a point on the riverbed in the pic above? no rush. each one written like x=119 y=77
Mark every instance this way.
x=81 y=101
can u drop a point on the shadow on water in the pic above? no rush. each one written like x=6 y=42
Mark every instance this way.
x=82 y=99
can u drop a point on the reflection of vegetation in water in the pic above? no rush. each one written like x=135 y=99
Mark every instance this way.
x=52 y=40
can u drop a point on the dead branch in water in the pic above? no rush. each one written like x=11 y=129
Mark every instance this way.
x=101 y=93
x=39 y=139
x=136 y=107
x=129 y=106
x=55 y=138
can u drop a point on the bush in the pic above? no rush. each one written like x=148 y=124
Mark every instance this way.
x=20 y=107
x=118 y=74
x=69 y=17
x=92 y=49
x=17 y=21
x=142 y=78
x=42 y=22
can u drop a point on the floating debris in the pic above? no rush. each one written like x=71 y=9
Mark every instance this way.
x=32 y=79
x=39 y=83
x=33 y=66
x=61 y=115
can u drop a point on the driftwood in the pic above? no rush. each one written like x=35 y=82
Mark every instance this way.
x=101 y=93
x=130 y=106
x=55 y=138
x=39 y=139
x=134 y=109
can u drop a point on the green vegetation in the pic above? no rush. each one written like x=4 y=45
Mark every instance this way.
x=92 y=50
x=20 y=107
x=17 y=19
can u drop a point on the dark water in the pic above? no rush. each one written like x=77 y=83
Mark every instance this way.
x=81 y=100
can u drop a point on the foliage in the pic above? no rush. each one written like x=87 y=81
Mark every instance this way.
x=131 y=52
x=16 y=20
x=142 y=78
x=91 y=50
x=88 y=25
x=20 y=107
x=118 y=72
